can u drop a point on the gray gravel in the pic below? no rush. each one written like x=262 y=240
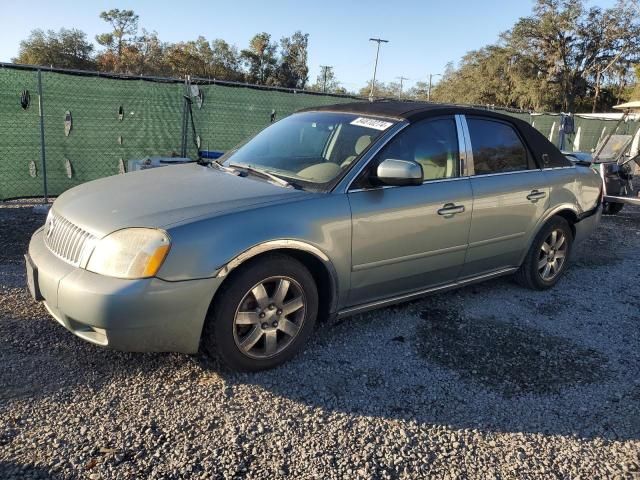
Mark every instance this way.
x=491 y=381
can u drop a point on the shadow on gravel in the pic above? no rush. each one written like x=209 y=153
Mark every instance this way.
x=17 y=225
x=511 y=359
x=609 y=247
x=17 y=471
x=427 y=362
x=39 y=358
x=599 y=251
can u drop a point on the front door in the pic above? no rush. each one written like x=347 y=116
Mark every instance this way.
x=412 y=237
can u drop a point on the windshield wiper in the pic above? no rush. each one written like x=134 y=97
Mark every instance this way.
x=264 y=174
x=219 y=166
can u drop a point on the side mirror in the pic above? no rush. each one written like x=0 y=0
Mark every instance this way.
x=399 y=172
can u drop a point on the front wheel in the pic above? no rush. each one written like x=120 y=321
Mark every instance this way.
x=547 y=258
x=263 y=314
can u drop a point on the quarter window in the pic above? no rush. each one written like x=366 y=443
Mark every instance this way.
x=497 y=148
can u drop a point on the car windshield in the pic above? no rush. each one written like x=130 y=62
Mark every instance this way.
x=614 y=148
x=309 y=147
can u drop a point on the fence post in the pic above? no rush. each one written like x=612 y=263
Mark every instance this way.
x=185 y=119
x=42 y=145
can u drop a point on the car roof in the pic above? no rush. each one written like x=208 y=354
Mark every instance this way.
x=404 y=110
x=414 y=111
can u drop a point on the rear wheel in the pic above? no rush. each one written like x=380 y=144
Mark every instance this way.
x=609 y=208
x=547 y=258
x=263 y=314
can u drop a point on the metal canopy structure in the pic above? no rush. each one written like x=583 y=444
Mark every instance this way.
x=632 y=105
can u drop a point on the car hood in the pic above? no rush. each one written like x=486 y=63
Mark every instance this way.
x=164 y=196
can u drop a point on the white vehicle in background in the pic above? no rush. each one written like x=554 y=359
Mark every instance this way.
x=616 y=161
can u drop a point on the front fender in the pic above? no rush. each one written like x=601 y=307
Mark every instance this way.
x=320 y=225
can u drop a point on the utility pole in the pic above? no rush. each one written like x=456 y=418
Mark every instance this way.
x=431 y=75
x=375 y=67
x=325 y=71
x=402 y=79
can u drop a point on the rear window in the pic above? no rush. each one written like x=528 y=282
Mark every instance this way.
x=497 y=148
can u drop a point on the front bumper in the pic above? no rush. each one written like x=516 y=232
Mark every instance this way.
x=146 y=315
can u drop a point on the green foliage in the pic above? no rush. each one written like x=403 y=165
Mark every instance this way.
x=226 y=61
x=260 y=60
x=264 y=61
x=381 y=90
x=67 y=48
x=124 y=27
x=634 y=93
x=326 y=81
x=564 y=56
x=292 y=71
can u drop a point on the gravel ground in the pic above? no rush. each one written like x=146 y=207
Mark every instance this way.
x=490 y=381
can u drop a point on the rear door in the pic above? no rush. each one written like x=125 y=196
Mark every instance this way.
x=510 y=194
x=412 y=237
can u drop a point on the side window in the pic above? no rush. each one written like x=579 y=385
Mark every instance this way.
x=497 y=148
x=432 y=143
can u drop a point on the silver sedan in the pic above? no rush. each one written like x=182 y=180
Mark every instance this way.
x=328 y=212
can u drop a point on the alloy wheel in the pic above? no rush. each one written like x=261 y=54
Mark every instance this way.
x=553 y=254
x=269 y=317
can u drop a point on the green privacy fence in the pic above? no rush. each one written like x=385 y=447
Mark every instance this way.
x=226 y=114
x=93 y=124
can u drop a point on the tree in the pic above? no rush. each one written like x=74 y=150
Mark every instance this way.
x=292 y=70
x=572 y=46
x=151 y=55
x=493 y=76
x=563 y=57
x=190 y=58
x=226 y=61
x=203 y=59
x=67 y=48
x=326 y=81
x=382 y=90
x=260 y=59
x=124 y=25
x=635 y=93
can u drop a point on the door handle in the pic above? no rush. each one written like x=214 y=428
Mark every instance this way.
x=536 y=195
x=450 y=209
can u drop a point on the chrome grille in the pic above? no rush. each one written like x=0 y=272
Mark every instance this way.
x=65 y=239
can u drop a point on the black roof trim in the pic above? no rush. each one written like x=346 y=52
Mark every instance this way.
x=410 y=111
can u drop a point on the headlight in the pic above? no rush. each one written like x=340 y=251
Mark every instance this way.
x=130 y=253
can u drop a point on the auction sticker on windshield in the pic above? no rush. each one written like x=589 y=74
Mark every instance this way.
x=371 y=123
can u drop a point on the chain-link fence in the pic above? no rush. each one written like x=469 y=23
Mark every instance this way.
x=225 y=114
x=62 y=128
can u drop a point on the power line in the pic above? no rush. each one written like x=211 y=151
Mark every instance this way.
x=375 y=67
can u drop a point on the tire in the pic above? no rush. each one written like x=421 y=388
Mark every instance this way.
x=533 y=272
x=609 y=208
x=250 y=326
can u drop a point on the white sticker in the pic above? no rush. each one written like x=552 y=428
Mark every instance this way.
x=371 y=123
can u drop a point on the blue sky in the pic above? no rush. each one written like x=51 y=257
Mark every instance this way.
x=424 y=35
